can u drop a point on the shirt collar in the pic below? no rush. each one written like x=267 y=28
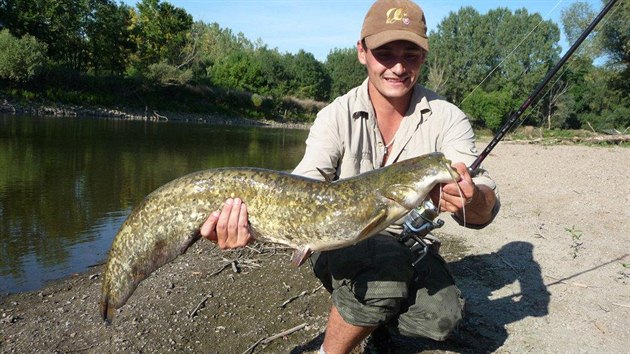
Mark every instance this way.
x=362 y=106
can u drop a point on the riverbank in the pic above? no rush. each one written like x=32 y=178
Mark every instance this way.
x=8 y=106
x=550 y=274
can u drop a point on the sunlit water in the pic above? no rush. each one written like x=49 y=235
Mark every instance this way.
x=67 y=184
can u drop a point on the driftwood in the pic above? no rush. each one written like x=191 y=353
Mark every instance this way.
x=603 y=139
x=274 y=337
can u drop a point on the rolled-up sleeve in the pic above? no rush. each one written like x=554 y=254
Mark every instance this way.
x=323 y=147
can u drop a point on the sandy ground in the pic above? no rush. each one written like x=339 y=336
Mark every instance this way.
x=550 y=275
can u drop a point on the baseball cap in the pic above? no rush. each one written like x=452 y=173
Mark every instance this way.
x=392 y=20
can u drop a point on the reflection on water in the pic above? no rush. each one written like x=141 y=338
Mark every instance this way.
x=67 y=184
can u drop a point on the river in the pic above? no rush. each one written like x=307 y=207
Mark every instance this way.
x=67 y=184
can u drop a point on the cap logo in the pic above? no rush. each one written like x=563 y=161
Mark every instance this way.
x=397 y=14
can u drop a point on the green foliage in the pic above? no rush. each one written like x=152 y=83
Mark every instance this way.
x=58 y=23
x=109 y=44
x=240 y=70
x=166 y=74
x=616 y=34
x=473 y=49
x=210 y=43
x=575 y=19
x=601 y=94
x=577 y=244
x=21 y=59
x=152 y=49
x=344 y=70
x=309 y=78
x=489 y=109
x=160 y=32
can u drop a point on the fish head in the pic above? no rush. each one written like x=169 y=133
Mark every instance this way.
x=410 y=181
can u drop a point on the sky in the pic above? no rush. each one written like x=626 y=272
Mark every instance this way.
x=318 y=26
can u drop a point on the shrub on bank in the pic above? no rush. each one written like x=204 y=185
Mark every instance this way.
x=21 y=59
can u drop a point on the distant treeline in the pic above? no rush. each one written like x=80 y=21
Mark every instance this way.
x=153 y=55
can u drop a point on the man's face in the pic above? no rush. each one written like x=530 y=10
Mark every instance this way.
x=393 y=68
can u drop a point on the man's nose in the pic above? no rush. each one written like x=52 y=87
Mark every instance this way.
x=398 y=68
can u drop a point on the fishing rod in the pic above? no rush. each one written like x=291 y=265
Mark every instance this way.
x=420 y=222
x=474 y=168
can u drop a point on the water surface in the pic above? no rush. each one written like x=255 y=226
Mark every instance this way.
x=67 y=184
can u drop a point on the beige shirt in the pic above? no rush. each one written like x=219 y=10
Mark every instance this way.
x=344 y=140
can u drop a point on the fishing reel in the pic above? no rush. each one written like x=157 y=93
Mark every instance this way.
x=417 y=228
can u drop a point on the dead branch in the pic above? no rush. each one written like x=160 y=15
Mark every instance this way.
x=274 y=337
x=293 y=298
x=221 y=268
x=317 y=289
x=158 y=116
x=201 y=303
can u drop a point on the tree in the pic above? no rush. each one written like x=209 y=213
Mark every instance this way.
x=345 y=70
x=457 y=47
x=504 y=52
x=309 y=78
x=109 y=40
x=616 y=34
x=600 y=94
x=58 y=23
x=208 y=44
x=615 y=39
x=575 y=19
x=21 y=59
x=275 y=79
x=160 y=32
x=239 y=69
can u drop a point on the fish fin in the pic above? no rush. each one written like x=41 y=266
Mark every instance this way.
x=373 y=225
x=107 y=311
x=326 y=176
x=300 y=255
x=398 y=193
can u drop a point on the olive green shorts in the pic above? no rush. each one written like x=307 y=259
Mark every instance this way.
x=374 y=283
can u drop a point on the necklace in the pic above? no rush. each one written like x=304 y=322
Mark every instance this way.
x=389 y=145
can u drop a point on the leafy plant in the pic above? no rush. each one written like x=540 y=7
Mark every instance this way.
x=576 y=236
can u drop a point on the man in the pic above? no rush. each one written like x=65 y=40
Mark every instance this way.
x=388 y=118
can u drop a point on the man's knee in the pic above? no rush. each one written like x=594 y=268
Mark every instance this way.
x=436 y=326
x=438 y=306
x=365 y=312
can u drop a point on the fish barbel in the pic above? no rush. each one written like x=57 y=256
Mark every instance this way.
x=303 y=213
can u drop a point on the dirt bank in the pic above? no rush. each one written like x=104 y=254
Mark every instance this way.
x=551 y=274
x=47 y=109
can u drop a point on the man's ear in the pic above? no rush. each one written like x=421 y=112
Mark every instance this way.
x=361 y=52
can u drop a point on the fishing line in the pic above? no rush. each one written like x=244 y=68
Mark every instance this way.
x=562 y=73
x=474 y=168
x=513 y=50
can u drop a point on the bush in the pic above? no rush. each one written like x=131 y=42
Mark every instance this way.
x=166 y=74
x=21 y=59
x=491 y=109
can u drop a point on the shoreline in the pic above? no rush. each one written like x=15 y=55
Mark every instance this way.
x=9 y=107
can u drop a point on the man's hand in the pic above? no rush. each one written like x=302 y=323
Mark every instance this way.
x=475 y=203
x=228 y=227
x=456 y=194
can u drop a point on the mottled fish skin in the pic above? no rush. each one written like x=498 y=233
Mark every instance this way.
x=303 y=213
